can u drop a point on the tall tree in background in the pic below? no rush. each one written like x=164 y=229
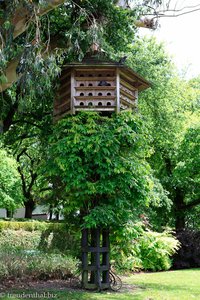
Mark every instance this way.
x=11 y=195
x=170 y=109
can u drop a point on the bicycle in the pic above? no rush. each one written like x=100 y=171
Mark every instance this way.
x=115 y=281
x=76 y=279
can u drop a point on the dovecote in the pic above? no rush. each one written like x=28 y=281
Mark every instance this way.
x=94 y=85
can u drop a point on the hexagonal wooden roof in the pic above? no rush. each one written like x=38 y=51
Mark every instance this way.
x=139 y=82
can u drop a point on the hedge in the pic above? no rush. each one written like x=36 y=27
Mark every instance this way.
x=31 y=225
x=37 y=235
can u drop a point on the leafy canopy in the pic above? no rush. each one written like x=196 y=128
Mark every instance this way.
x=102 y=167
x=10 y=185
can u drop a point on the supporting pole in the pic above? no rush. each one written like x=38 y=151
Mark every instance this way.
x=95 y=259
x=84 y=244
x=98 y=273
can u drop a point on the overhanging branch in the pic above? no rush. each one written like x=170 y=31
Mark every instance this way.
x=191 y=204
x=22 y=16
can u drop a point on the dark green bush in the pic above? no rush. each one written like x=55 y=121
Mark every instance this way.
x=188 y=255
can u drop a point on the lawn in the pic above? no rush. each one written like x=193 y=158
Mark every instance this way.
x=170 y=285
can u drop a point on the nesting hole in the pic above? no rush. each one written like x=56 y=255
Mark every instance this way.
x=100 y=104
x=90 y=94
x=81 y=103
x=90 y=84
x=108 y=94
x=90 y=75
x=108 y=103
x=99 y=94
x=82 y=84
x=81 y=94
x=90 y=104
x=100 y=75
x=81 y=75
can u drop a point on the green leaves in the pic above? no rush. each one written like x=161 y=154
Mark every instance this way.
x=10 y=185
x=186 y=174
x=100 y=162
x=136 y=247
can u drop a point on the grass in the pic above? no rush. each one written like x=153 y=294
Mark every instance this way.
x=171 y=285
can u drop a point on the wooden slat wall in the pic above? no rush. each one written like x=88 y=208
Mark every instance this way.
x=90 y=94
x=128 y=92
x=62 y=103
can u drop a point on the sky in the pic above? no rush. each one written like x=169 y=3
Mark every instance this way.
x=182 y=38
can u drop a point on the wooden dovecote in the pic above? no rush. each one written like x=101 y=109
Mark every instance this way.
x=102 y=86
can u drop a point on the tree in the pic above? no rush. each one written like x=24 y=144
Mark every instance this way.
x=73 y=26
x=169 y=109
x=27 y=138
x=186 y=174
x=10 y=186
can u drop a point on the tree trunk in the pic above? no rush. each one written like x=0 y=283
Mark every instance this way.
x=57 y=216
x=9 y=213
x=179 y=211
x=29 y=207
x=50 y=212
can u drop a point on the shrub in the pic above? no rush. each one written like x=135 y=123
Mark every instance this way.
x=30 y=225
x=134 y=248
x=188 y=255
x=45 y=236
x=20 y=264
x=37 y=249
x=19 y=239
x=45 y=266
x=156 y=250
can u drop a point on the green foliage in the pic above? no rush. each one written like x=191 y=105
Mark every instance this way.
x=187 y=173
x=37 y=249
x=19 y=239
x=10 y=187
x=101 y=165
x=169 y=108
x=31 y=225
x=36 y=265
x=156 y=249
x=136 y=248
x=35 y=235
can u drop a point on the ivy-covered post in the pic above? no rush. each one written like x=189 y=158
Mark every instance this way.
x=98 y=153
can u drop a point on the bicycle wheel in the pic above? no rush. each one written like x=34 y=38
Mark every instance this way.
x=115 y=282
x=76 y=280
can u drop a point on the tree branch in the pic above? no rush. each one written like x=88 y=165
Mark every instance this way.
x=22 y=17
x=191 y=204
x=27 y=122
x=20 y=171
x=13 y=108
